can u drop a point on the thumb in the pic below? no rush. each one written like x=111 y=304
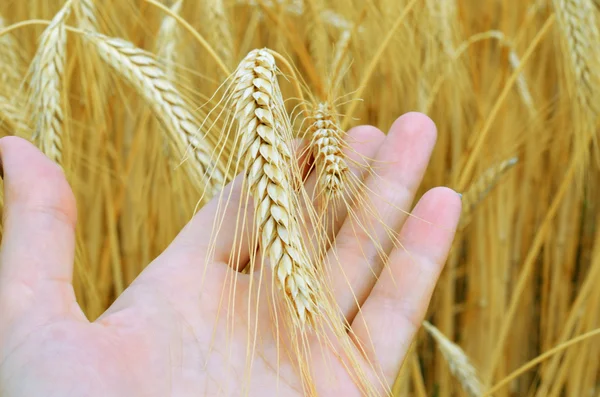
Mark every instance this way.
x=38 y=244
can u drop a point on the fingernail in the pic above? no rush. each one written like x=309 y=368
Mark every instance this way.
x=459 y=195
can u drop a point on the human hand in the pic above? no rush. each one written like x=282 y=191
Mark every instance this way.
x=162 y=336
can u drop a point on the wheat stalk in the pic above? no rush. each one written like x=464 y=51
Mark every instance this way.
x=326 y=147
x=87 y=15
x=578 y=24
x=260 y=114
x=139 y=69
x=10 y=58
x=46 y=85
x=457 y=360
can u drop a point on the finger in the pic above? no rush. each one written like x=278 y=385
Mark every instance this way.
x=216 y=230
x=368 y=233
x=36 y=260
x=394 y=310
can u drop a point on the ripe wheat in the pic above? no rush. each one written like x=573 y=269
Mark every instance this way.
x=140 y=70
x=458 y=362
x=87 y=15
x=326 y=146
x=259 y=111
x=479 y=189
x=46 y=86
x=577 y=21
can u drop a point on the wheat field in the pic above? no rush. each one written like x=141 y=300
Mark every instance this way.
x=141 y=102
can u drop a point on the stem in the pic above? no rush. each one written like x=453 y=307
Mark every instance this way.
x=194 y=33
x=539 y=359
x=373 y=64
x=21 y=24
x=527 y=268
x=496 y=110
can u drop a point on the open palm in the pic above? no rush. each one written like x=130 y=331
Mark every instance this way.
x=168 y=334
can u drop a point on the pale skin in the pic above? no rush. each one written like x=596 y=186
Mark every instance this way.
x=157 y=338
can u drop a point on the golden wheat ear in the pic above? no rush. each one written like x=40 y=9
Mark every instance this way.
x=47 y=75
x=579 y=30
x=141 y=71
x=87 y=15
x=458 y=362
x=218 y=28
x=267 y=158
x=326 y=146
x=482 y=187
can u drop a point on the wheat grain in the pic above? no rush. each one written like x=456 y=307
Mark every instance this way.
x=515 y=61
x=579 y=28
x=166 y=48
x=326 y=147
x=139 y=69
x=458 y=362
x=259 y=110
x=87 y=15
x=46 y=85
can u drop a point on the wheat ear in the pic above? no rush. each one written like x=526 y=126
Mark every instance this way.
x=457 y=360
x=87 y=15
x=579 y=28
x=166 y=42
x=479 y=189
x=340 y=60
x=326 y=147
x=260 y=114
x=46 y=84
x=141 y=71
